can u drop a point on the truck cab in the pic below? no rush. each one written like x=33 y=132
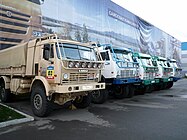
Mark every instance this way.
x=164 y=73
x=176 y=70
x=51 y=70
x=147 y=72
x=121 y=72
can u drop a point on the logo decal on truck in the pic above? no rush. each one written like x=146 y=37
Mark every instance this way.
x=50 y=72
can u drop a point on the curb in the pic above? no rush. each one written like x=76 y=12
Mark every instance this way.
x=16 y=121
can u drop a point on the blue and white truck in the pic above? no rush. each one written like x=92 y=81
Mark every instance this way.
x=120 y=73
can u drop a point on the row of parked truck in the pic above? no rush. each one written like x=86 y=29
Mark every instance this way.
x=58 y=71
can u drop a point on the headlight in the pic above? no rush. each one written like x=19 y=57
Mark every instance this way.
x=97 y=76
x=83 y=65
x=89 y=65
x=95 y=65
x=99 y=66
x=77 y=64
x=71 y=64
x=66 y=76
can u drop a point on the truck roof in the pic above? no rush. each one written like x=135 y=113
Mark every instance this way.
x=142 y=55
x=172 y=60
x=159 y=58
x=53 y=38
x=115 y=48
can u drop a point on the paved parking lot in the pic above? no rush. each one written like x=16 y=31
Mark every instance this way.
x=160 y=115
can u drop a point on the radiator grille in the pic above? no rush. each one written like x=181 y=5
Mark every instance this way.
x=81 y=78
x=126 y=73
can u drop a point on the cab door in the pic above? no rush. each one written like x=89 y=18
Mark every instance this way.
x=46 y=63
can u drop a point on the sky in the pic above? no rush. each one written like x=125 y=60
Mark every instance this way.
x=168 y=15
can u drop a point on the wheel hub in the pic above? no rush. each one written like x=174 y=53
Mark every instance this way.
x=96 y=94
x=37 y=101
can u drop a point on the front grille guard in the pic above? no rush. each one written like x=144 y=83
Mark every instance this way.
x=149 y=75
x=81 y=78
x=80 y=64
x=128 y=73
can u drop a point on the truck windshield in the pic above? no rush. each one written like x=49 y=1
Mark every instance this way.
x=123 y=55
x=77 y=52
x=162 y=63
x=173 y=64
x=146 y=62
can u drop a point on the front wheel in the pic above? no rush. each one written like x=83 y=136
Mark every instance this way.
x=82 y=101
x=99 y=96
x=121 y=92
x=5 y=95
x=39 y=103
x=169 y=85
x=148 y=88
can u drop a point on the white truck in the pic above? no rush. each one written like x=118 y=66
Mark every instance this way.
x=176 y=72
x=163 y=76
x=120 y=73
x=147 y=72
x=51 y=70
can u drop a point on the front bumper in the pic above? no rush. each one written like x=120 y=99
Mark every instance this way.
x=148 y=82
x=121 y=81
x=175 y=79
x=70 y=88
x=165 y=80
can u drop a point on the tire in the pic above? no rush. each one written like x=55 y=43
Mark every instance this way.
x=82 y=101
x=39 y=103
x=99 y=96
x=131 y=91
x=5 y=95
x=163 y=86
x=121 y=92
x=169 y=85
x=148 y=88
x=140 y=91
x=156 y=87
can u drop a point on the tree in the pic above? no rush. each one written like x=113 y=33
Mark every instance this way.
x=78 y=36
x=67 y=31
x=85 y=34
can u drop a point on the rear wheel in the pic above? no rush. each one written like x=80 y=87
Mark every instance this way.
x=39 y=103
x=140 y=91
x=5 y=95
x=131 y=91
x=99 y=96
x=82 y=101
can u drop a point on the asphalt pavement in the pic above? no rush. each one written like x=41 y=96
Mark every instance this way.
x=160 y=115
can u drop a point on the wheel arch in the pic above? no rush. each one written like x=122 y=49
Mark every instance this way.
x=38 y=80
x=6 y=81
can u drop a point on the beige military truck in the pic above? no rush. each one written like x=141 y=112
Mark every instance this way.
x=51 y=70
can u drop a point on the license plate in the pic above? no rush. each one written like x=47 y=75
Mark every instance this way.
x=152 y=81
x=87 y=87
